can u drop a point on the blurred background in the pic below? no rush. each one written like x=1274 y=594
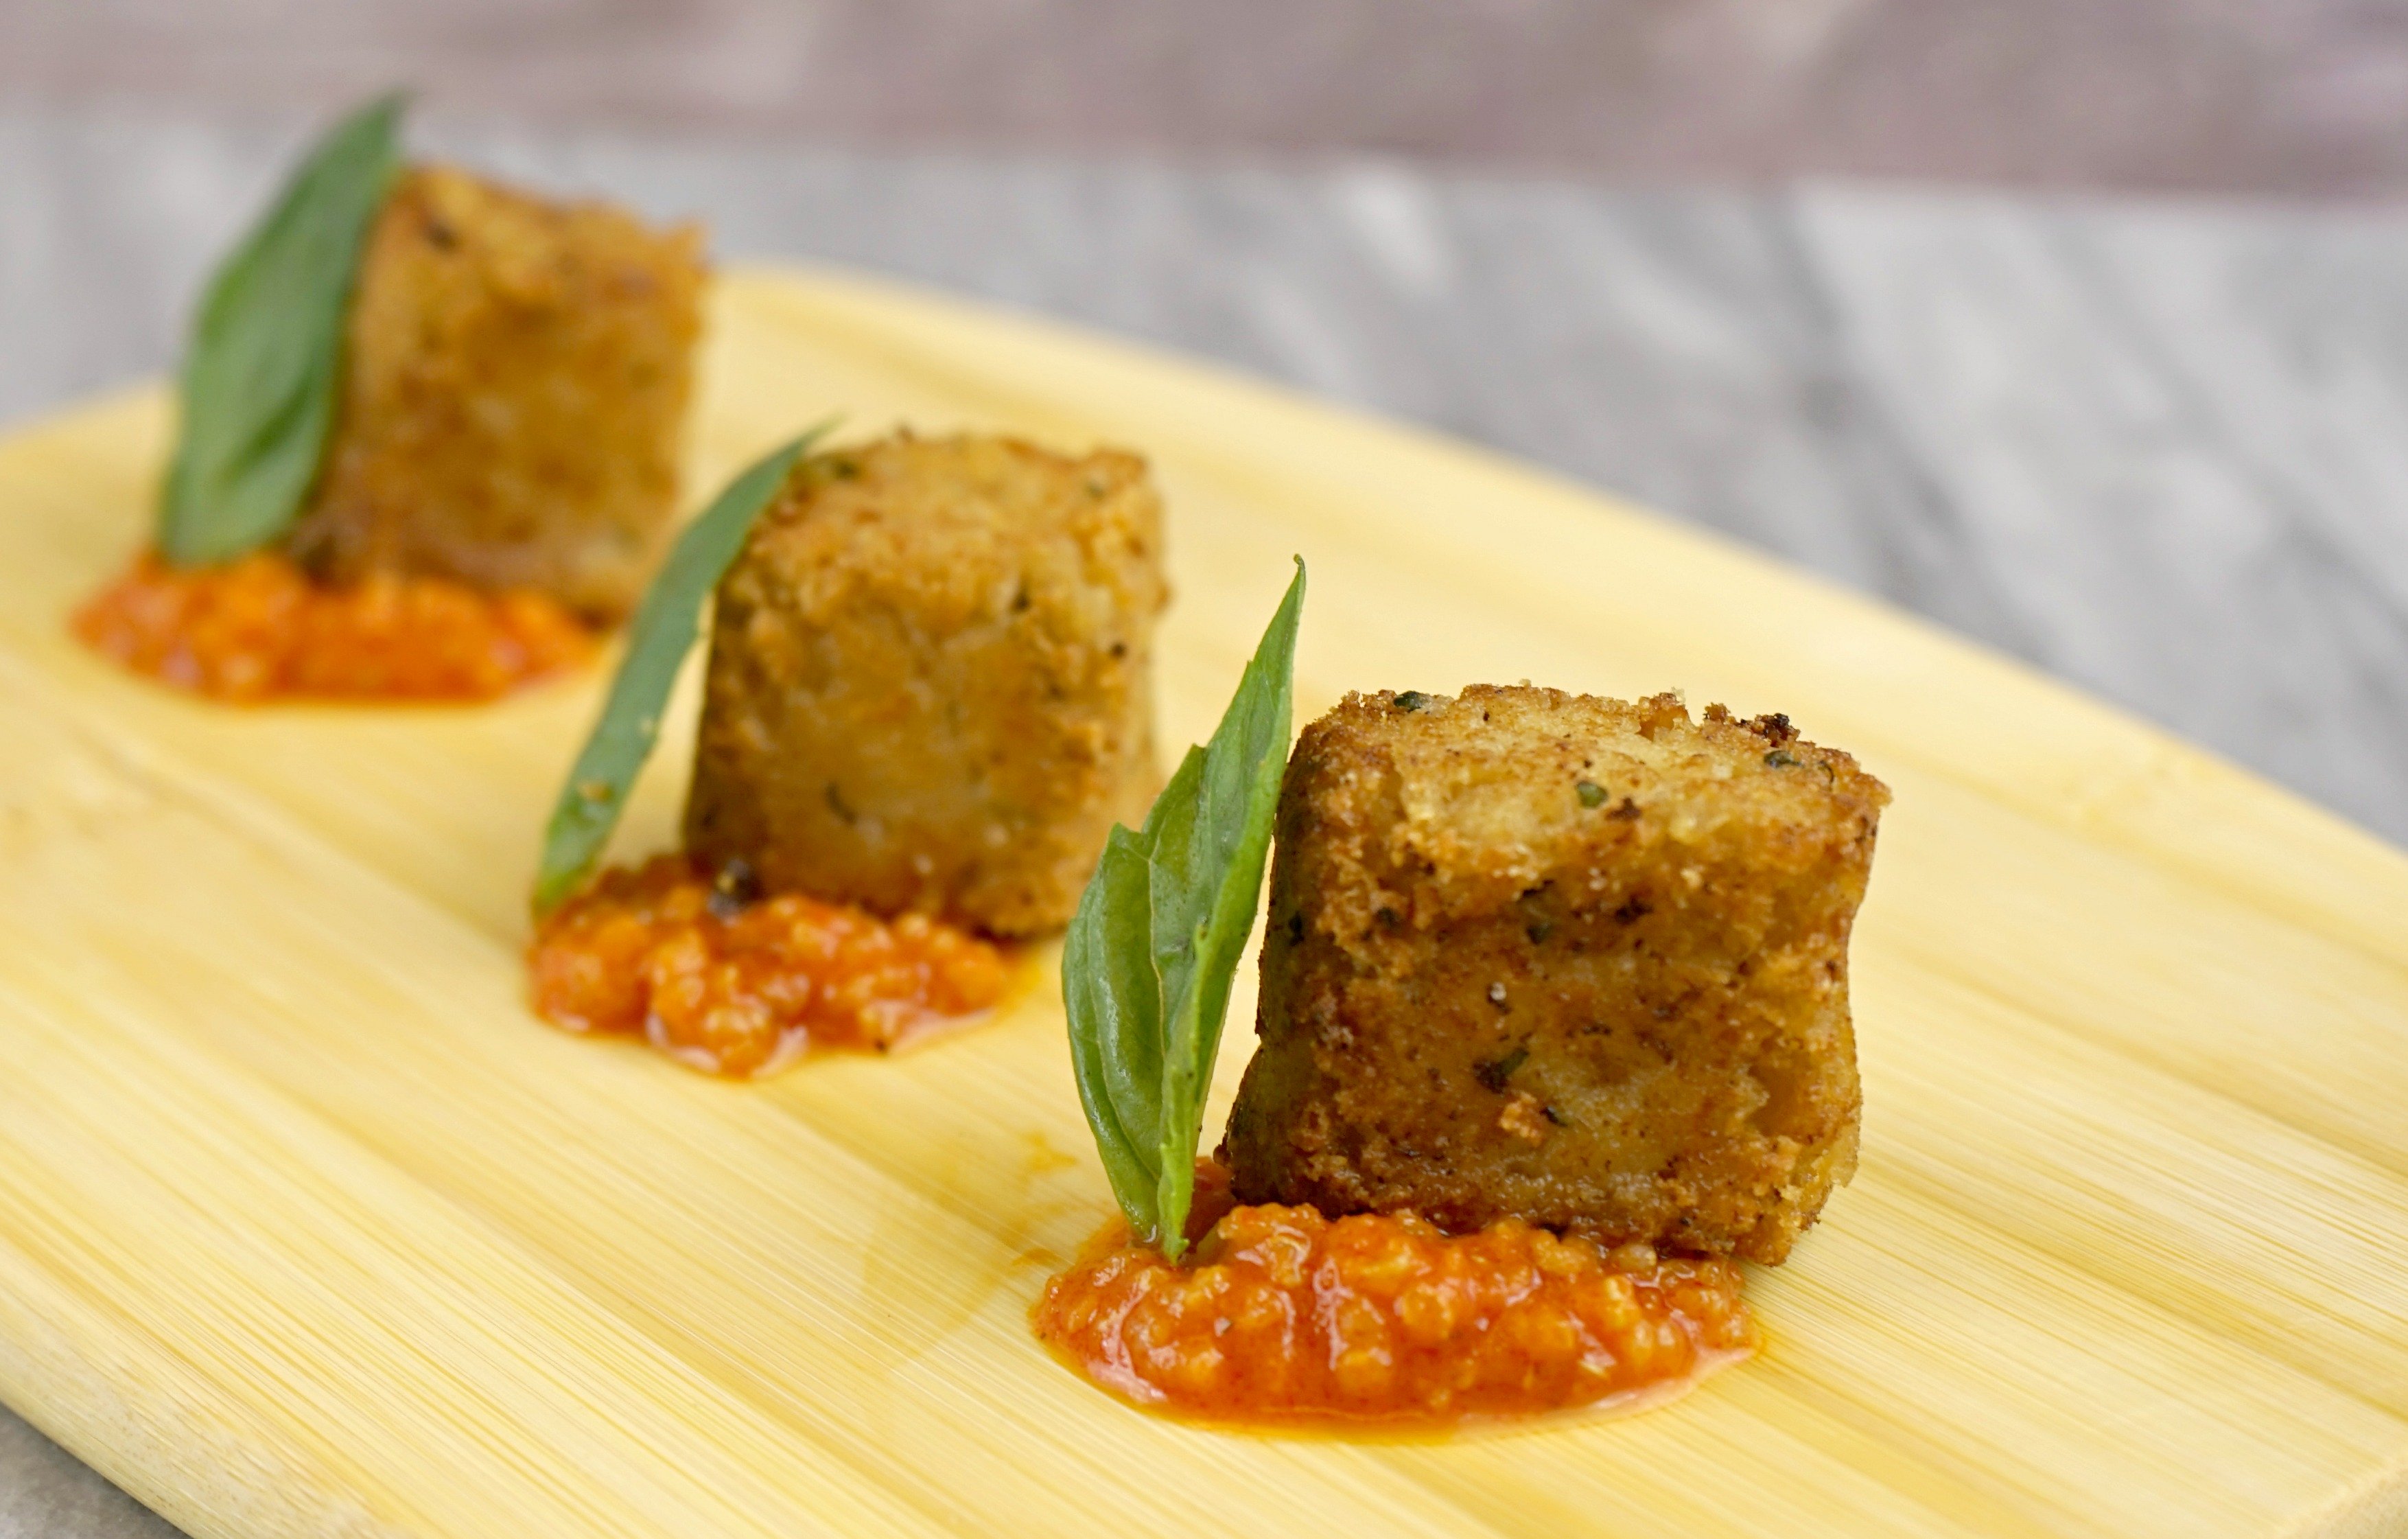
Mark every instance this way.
x=2080 y=326
x=2285 y=96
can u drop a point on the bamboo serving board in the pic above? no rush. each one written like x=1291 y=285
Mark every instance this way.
x=308 y=1228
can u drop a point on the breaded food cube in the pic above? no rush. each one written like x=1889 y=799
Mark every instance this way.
x=514 y=395
x=1561 y=958
x=930 y=680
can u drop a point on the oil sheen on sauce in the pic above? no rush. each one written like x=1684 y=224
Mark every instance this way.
x=1281 y=1318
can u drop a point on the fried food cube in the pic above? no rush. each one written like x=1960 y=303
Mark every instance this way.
x=930 y=680
x=1573 y=960
x=514 y=395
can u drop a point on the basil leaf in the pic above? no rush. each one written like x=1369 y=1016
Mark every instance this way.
x=1114 y=1001
x=262 y=372
x=664 y=628
x=1148 y=962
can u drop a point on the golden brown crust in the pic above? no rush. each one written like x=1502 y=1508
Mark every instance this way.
x=930 y=681
x=514 y=395
x=1564 y=958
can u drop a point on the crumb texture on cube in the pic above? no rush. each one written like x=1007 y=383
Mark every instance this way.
x=930 y=680
x=1578 y=961
x=516 y=379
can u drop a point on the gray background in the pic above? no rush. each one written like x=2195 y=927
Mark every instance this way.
x=2094 y=385
x=2280 y=96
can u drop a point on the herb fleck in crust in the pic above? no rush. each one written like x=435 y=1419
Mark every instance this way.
x=514 y=395
x=930 y=680
x=1569 y=959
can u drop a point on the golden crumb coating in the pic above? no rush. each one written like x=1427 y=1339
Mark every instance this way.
x=514 y=395
x=1573 y=960
x=930 y=681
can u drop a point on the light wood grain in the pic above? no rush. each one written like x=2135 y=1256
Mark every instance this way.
x=305 y=1226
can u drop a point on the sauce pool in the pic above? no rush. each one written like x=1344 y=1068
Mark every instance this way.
x=741 y=988
x=1282 y=1318
x=259 y=629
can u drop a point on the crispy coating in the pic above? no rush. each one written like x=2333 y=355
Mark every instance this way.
x=1561 y=958
x=514 y=395
x=930 y=681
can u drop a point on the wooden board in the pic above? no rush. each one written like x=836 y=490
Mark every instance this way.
x=308 y=1228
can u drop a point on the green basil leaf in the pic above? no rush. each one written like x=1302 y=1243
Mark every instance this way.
x=262 y=373
x=1116 y=1007
x=664 y=628
x=1150 y=957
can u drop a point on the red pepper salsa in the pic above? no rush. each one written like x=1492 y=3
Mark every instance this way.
x=742 y=988
x=259 y=629
x=1280 y=1316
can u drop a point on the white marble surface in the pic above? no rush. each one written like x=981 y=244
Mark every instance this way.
x=2159 y=448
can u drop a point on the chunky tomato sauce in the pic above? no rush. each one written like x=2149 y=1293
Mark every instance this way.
x=259 y=629
x=738 y=985
x=1282 y=1317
